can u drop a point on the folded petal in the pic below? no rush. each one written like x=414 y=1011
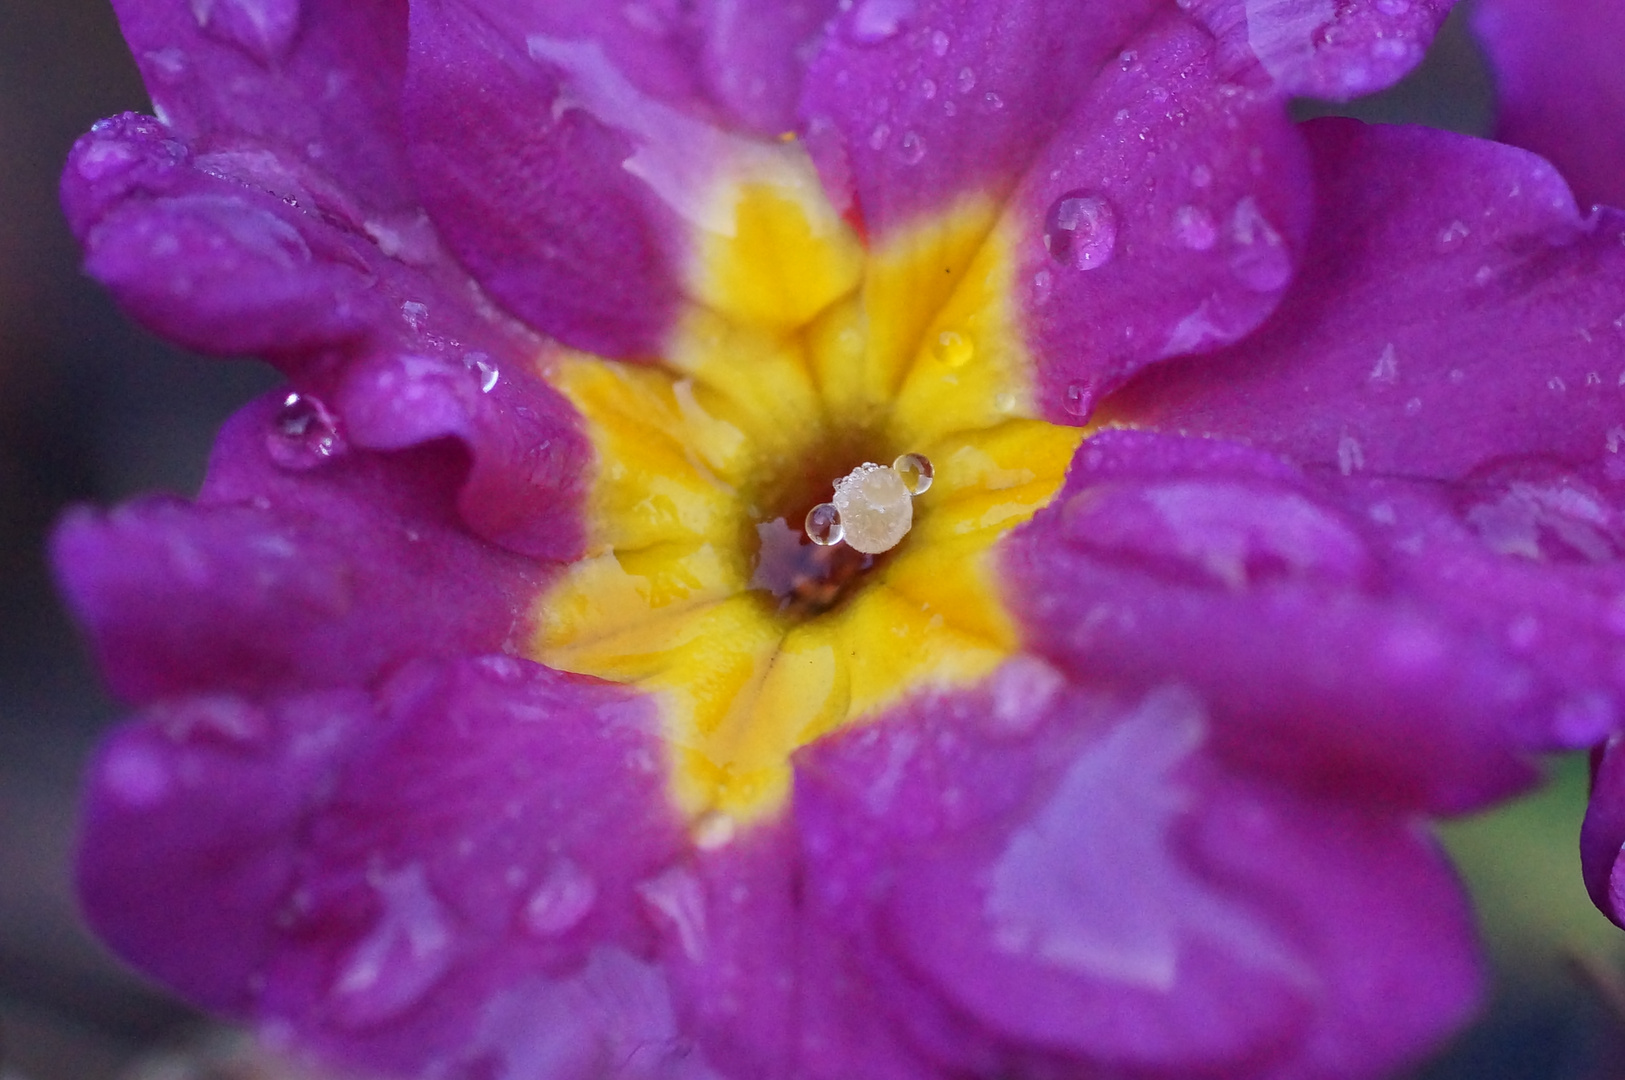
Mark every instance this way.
x=1166 y=216
x=229 y=256
x=324 y=572
x=1211 y=564
x=397 y=915
x=1453 y=308
x=1092 y=890
x=1558 y=86
x=309 y=88
x=914 y=104
x=1323 y=48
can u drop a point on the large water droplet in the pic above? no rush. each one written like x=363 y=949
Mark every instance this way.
x=304 y=434
x=1079 y=400
x=915 y=471
x=561 y=901
x=953 y=348
x=875 y=21
x=407 y=952
x=1080 y=231
x=824 y=525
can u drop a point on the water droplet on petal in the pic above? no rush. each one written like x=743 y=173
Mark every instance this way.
x=915 y=471
x=1080 y=231
x=304 y=434
x=1201 y=176
x=912 y=149
x=482 y=366
x=262 y=28
x=875 y=21
x=966 y=80
x=407 y=952
x=561 y=901
x=824 y=525
x=879 y=137
x=1195 y=228
x=939 y=43
x=415 y=314
x=875 y=508
x=675 y=901
x=1261 y=259
x=1450 y=237
x=954 y=349
x=1080 y=399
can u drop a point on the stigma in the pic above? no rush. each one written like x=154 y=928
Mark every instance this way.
x=873 y=507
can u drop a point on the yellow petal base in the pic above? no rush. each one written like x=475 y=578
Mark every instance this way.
x=701 y=461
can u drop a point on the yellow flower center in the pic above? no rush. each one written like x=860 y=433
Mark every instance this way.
x=805 y=356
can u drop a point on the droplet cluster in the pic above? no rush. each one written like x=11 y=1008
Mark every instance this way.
x=873 y=506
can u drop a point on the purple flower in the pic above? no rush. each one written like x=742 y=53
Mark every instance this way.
x=496 y=721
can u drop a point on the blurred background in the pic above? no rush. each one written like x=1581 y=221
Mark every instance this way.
x=93 y=409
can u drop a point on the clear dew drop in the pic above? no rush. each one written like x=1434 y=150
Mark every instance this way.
x=561 y=901
x=483 y=367
x=939 y=43
x=1079 y=400
x=912 y=149
x=915 y=471
x=1195 y=228
x=966 y=80
x=824 y=526
x=954 y=349
x=1080 y=231
x=304 y=433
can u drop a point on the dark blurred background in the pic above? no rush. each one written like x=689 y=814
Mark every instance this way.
x=93 y=409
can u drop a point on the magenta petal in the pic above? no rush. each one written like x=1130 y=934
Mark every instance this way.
x=312 y=85
x=1165 y=217
x=322 y=574
x=399 y=915
x=1559 y=89
x=921 y=101
x=519 y=133
x=1602 y=836
x=1324 y=48
x=1189 y=560
x=1094 y=890
x=754 y=56
x=1453 y=308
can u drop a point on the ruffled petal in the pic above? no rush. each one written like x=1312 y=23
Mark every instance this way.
x=399 y=917
x=231 y=255
x=915 y=104
x=1214 y=565
x=324 y=572
x=1335 y=49
x=1422 y=339
x=1558 y=86
x=1075 y=882
x=308 y=89
x=1166 y=216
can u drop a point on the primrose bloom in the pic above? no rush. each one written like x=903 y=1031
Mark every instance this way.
x=1197 y=504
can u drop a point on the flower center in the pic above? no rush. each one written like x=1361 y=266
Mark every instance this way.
x=780 y=398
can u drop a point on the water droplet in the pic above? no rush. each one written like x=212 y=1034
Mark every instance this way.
x=1350 y=455
x=875 y=509
x=1201 y=176
x=879 y=137
x=1450 y=237
x=262 y=28
x=1260 y=260
x=1080 y=231
x=915 y=471
x=561 y=901
x=954 y=349
x=482 y=366
x=928 y=89
x=875 y=21
x=415 y=314
x=1386 y=370
x=824 y=525
x=676 y=902
x=967 y=80
x=715 y=831
x=912 y=149
x=1393 y=7
x=1080 y=399
x=1004 y=401
x=1195 y=228
x=304 y=433
x=939 y=43
x=991 y=102
x=407 y=952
